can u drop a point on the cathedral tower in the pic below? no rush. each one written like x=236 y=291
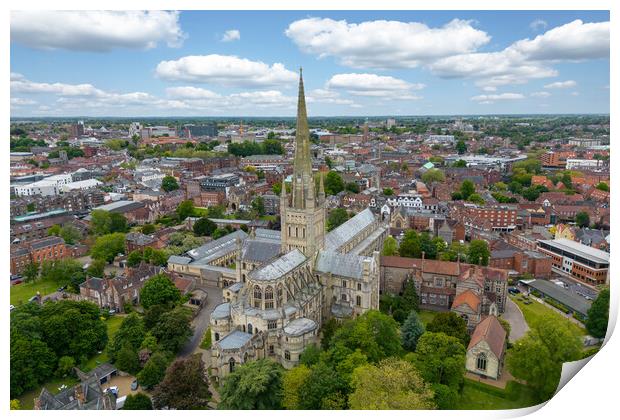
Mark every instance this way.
x=303 y=211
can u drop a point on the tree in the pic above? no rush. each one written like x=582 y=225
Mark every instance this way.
x=185 y=209
x=467 y=189
x=459 y=164
x=185 y=386
x=598 y=315
x=134 y=258
x=54 y=230
x=255 y=385
x=410 y=299
x=538 y=356
x=258 y=205
x=440 y=359
x=433 y=175
x=148 y=228
x=461 y=147
x=479 y=252
x=100 y=222
x=204 y=227
x=391 y=385
x=154 y=370
x=107 y=247
x=333 y=183
x=336 y=217
x=64 y=272
x=157 y=290
x=65 y=366
x=320 y=388
x=96 y=268
x=118 y=223
x=173 y=329
x=388 y=192
x=127 y=359
x=16 y=405
x=374 y=333
x=352 y=187
x=292 y=381
x=169 y=183
x=582 y=219
x=390 y=247
x=411 y=331
x=32 y=363
x=450 y=324
x=132 y=331
x=410 y=246
x=602 y=186
x=310 y=356
x=138 y=401
x=476 y=199
x=31 y=272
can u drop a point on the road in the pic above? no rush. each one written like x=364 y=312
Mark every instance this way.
x=514 y=316
x=201 y=322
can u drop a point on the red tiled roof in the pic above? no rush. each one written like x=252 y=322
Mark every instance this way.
x=467 y=298
x=491 y=331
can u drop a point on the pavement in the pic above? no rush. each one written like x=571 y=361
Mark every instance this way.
x=514 y=316
x=201 y=322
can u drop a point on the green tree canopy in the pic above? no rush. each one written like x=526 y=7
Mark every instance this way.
x=598 y=315
x=138 y=401
x=450 y=324
x=185 y=209
x=154 y=370
x=411 y=331
x=107 y=247
x=204 y=227
x=336 y=217
x=158 y=290
x=173 y=329
x=440 y=359
x=479 y=252
x=582 y=219
x=255 y=385
x=390 y=247
x=169 y=183
x=393 y=384
x=537 y=357
x=333 y=183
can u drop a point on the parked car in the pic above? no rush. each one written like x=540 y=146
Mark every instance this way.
x=112 y=389
x=513 y=291
x=134 y=385
x=12 y=307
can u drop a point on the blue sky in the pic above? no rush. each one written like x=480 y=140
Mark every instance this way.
x=355 y=63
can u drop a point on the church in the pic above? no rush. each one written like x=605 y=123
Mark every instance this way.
x=287 y=283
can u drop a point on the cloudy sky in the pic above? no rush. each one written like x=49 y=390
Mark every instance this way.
x=190 y=63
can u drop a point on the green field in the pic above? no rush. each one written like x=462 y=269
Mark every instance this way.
x=426 y=316
x=535 y=311
x=20 y=293
x=479 y=396
x=113 y=323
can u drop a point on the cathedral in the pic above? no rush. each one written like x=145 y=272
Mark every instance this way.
x=287 y=283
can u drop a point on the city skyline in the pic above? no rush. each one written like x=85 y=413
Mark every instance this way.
x=197 y=63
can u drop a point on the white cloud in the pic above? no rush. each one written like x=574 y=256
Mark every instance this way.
x=327 y=96
x=561 y=85
x=529 y=59
x=487 y=99
x=190 y=92
x=98 y=31
x=22 y=102
x=225 y=70
x=384 y=44
x=538 y=24
x=541 y=94
x=367 y=84
x=574 y=93
x=199 y=98
x=231 y=35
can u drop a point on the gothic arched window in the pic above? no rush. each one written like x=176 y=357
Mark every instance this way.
x=481 y=362
x=231 y=365
x=268 y=297
x=250 y=328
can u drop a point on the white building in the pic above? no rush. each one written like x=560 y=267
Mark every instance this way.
x=47 y=186
x=583 y=163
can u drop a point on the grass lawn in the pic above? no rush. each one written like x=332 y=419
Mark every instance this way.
x=426 y=316
x=113 y=323
x=479 y=396
x=535 y=311
x=20 y=293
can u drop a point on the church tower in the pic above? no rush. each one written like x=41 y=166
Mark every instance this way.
x=302 y=212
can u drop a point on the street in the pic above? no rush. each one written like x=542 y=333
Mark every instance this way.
x=201 y=322
x=514 y=316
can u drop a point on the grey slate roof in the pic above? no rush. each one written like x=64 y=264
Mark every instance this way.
x=348 y=230
x=177 y=259
x=271 y=234
x=234 y=340
x=345 y=265
x=235 y=287
x=571 y=300
x=221 y=311
x=279 y=267
x=299 y=326
x=259 y=250
x=203 y=254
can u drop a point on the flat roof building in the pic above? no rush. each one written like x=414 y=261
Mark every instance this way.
x=581 y=262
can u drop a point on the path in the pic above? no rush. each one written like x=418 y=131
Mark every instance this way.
x=201 y=322
x=514 y=316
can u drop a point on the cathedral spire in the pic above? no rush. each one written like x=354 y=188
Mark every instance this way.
x=303 y=162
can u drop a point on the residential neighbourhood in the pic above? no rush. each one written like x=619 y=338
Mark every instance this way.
x=163 y=262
